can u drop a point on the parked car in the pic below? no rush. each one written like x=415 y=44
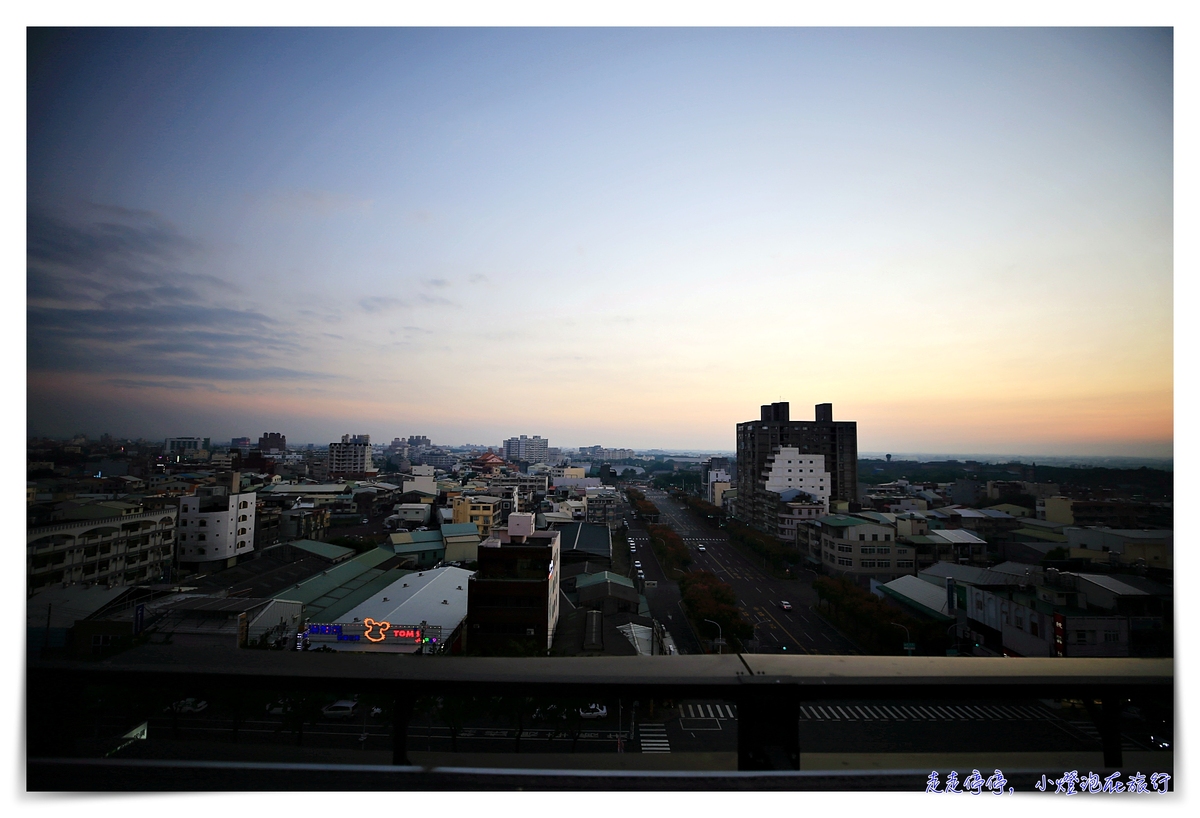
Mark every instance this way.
x=187 y=706
x=787 y=606
x=342 y=709
x=594 y=711
x=278 y=708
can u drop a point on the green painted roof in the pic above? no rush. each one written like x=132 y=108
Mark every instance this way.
x=1047 y=536
x=429 y=537
x=459 y=530
x=365 y=587
x=323 y=549
x=416 y=547
x=843 y=521
x=586 y=580
x=319 y=591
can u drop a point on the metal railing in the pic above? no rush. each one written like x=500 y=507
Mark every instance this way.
x=767 y=689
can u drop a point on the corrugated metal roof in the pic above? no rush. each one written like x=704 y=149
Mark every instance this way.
x=322 y=549
x=66 y=606
x=1112 y=584
x=420 y=602
x=604 y=576
x=924 y=595
x=371 y=584
x=459 y=530
x=327 y=583
x=956 y=535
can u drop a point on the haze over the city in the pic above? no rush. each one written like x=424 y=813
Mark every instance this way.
x=960 y=238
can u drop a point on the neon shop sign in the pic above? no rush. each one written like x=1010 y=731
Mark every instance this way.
x=376 y=631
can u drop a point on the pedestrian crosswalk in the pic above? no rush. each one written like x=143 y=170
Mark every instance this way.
x=653 y=738
x=927 y=712
x=707 y=711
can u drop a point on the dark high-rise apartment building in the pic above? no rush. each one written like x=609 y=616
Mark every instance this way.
x=272 y=441
x=759 y=440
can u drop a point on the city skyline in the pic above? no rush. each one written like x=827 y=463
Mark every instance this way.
x=962 y=238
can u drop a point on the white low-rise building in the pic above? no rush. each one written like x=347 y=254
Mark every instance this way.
x=216 y=525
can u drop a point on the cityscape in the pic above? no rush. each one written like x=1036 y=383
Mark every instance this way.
x=819 y=385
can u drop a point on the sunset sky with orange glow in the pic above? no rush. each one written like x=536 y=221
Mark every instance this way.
x=962 y=238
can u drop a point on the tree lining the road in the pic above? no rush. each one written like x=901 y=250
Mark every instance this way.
x=643 y=506
x=868 y=620
x=669 y=547
x=778 y=555
x=707 y=597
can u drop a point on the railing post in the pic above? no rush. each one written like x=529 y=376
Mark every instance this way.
x=1110 y=729
x=768 y=729
x=402 y=708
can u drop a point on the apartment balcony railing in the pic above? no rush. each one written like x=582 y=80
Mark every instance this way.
x=767 y=689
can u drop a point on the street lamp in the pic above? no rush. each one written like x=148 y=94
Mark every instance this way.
x=909 y=645
x=720 y=639
x=954 y=628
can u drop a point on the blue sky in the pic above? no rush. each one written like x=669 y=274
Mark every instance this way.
x=960 y=237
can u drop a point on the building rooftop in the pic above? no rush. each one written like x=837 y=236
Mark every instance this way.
x=437 y=597
x=924 y=596
x=1113 y=584
x=459 y=530
x=329 y=551
x=604 y=576
x=970 y=574
x=956 y=535
x=63 y=607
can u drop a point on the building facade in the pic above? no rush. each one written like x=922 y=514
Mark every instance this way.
x=116 y=544
x=351 y=457
x=513 y=598
x=760 y=443
x=216 y=525
x=530 y=449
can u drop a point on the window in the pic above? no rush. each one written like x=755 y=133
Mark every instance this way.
x=862 y=537
x=201 y=537
x=904 y=563
x=885 y=563
x=867 y=563
x=1081 y=637
x=866 y=549
x=1111 y=637
x=845 y=561
x=874 y=538
x=887 y=537
x=1033 y=627
x=846 y=549
x=203 y=523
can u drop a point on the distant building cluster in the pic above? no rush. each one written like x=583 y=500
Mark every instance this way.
x=201 y=537
x=496 y=550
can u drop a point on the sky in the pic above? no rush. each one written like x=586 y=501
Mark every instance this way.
x=962 y=238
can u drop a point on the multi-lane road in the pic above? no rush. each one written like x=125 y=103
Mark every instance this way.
x=759 y=595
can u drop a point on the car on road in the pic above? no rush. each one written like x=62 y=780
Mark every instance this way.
x=188 y=706
x=594 y=711
x=787 y=606
x=637 y=563
x=701 y=548
x=632 y=548
x=366 y=521
x=641 y=574
x=341 y=709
